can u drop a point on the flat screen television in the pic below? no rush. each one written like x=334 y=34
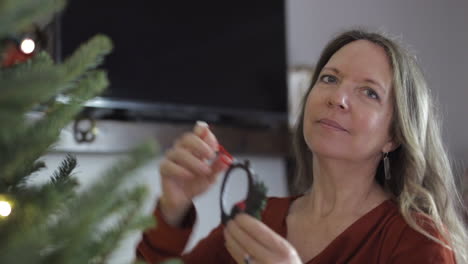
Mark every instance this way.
x=223 y=62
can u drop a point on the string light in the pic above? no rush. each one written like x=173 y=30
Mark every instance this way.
x=27 y=46
x=5 y=208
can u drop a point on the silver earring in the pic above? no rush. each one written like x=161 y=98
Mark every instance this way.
x=386 y=162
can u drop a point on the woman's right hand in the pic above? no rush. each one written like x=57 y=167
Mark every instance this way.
x=186 y=173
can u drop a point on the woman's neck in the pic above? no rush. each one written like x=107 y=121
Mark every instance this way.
x=343 y=188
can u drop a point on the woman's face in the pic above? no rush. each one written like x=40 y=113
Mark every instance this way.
x=349 y=109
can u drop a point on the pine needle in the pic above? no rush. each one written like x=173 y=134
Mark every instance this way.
x=63 y=173
x=16 y=15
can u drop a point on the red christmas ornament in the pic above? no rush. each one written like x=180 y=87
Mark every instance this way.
x=13 y=55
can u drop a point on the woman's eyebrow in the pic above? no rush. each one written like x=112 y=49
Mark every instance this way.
x=333 y=69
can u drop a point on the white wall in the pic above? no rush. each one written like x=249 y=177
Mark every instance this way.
x=436 y=31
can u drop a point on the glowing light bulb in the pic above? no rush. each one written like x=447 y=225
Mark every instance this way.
x=27 y=46
x=5 y=208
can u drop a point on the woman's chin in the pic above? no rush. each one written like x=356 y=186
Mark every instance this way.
x=329 y=150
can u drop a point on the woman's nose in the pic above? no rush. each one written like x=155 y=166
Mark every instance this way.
x=339 y=98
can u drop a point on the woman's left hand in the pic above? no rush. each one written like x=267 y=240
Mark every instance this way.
x=250 y=241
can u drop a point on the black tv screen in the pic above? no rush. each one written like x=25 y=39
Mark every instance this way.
x=213 y=60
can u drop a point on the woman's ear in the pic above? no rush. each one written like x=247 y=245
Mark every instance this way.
x=390 y=146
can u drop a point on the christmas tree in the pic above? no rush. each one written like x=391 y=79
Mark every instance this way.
x=53 y=222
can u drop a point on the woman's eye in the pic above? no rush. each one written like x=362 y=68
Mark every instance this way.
x=328 y=78
x=371 y=93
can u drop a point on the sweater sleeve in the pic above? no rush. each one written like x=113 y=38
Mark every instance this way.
x=165 y=242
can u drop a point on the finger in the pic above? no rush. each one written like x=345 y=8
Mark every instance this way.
x=262 y=234
x=202 y=130
x=216 y=167
x=196 y=145
x=187 y=160
x=234 y=248
x=169 y=168
x=251 y=245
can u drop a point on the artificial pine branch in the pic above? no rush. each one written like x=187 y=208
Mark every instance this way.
x=63 y=174
x=37 y=139
x=26 y=231
x=52 y=222
x=16 y=15
x=44 y=132
x=129 y=221
x=92 y=207
x=88 y=56
x=62 y=180
x=41 y=82
x=29 y=169
x=12 y=112
x=77 y=225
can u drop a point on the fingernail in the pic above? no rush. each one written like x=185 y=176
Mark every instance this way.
x=199 y=127
x=202 y=123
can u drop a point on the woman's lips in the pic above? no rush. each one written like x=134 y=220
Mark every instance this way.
x=331 y=124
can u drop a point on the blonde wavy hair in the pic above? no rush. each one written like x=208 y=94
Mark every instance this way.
x=422 y=179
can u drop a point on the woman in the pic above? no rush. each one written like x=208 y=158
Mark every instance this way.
x=378 y=184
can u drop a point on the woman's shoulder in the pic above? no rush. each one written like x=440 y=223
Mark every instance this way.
x=408 y=244
x=398 y=226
